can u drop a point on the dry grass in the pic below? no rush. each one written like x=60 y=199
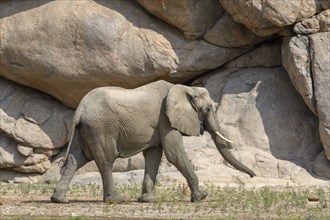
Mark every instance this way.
x=31 y=201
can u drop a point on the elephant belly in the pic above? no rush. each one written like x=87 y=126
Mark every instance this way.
x=127 y=147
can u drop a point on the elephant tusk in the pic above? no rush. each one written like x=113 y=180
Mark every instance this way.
x=218 y=133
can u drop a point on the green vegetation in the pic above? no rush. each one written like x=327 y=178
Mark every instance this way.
x=174 y=202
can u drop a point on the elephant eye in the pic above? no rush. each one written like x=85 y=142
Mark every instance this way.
x=208 y=109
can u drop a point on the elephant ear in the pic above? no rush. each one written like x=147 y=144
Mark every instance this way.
x=181 y=111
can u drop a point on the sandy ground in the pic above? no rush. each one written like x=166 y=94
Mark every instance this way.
x=36 y=205
x=39 y=207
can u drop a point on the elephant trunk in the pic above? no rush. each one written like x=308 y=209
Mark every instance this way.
x=212 y=126
x=225 y=152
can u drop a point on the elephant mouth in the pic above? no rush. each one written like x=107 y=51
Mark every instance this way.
x=202 y=128
x=205 y=125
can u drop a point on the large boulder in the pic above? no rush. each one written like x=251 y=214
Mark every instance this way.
x=33 y=128
x=268 y=121
x=315 y=24
x=11 y=158
x=320 y=55
x=265 y=55
x=71 y=47
x=295 y=59
x=268 y=17
x=228 y=33
x=192 y=17
x=306 y=58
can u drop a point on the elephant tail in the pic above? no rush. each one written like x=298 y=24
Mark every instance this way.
x=75 y=123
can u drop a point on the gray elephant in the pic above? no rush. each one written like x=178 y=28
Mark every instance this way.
x=112 y=122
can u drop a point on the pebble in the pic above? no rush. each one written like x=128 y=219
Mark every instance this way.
x=313 y=198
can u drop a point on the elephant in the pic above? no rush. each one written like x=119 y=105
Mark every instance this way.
x=113 y=122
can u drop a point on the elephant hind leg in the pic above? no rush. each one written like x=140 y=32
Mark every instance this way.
x=73 y=163
x=110 y=193
x=152 y=158
x=102 y=148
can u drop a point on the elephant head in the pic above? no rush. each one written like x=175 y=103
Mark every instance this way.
x=190 y=110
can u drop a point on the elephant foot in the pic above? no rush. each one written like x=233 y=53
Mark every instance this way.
x=116 y=198
x=147 y=197
x=195 y=197
x=57 y=198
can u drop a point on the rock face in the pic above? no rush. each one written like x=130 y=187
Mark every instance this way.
x=33 y=128
x=235 y=36
x=192 y=17
x=296 y=61
x=268 y=17
x=320 y=47
x=265 y=64
x=259 y=108
x=317 y=23
x=110 y=42
x=306 y=59
x=266 y=55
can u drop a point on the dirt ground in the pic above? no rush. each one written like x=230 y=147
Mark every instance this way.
x=39 y=207
x=29 y=202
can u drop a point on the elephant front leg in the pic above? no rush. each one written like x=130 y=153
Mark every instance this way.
x=152 y=158
x=175 y=154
